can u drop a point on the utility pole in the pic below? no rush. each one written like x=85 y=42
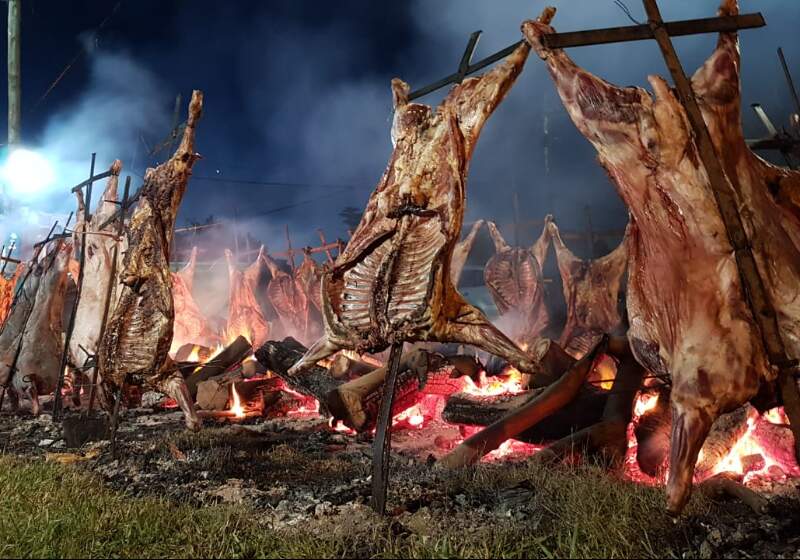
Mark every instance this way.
x=14 y=91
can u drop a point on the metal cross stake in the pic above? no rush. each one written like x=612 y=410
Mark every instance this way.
x=382 y=446
x=753 y=286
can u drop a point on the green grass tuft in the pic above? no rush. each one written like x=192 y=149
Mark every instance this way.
x=55 y=511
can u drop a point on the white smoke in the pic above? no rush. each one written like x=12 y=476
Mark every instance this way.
x=121 y=100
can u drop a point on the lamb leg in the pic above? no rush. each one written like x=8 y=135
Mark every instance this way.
x=690 y=426
x=175 y=387
x=321 y=349
x=471 y=327
x=33 y=393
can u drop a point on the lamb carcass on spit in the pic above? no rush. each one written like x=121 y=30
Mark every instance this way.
x=138 y=336
x=462 y=251
x=244 y=313
x=514 y=278
x=309 y=277
x=37 y=368
x=591 y=291
x=191 y=326
x=97 y=274
x=688 y=314
x=7 y=286
x=12 y=330
x=392 y=282
x=288 y=300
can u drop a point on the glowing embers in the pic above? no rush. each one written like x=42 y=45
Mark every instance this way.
x=750 y=446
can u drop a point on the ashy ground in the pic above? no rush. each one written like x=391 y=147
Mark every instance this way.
x=299 y=489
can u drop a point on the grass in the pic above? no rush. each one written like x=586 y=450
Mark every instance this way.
x=56 y=511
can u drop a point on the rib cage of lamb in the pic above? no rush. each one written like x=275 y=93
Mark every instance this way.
x=135 y=346
x=514 y=279
x=591 y=290
x=393 y=280
x=684 y=287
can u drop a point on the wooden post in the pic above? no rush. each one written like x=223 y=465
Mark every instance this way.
x=752 y=284
x=289 y=249
x=325 y=245
x=14 y=77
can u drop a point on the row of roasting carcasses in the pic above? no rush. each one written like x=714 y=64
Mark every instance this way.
x=267 y=302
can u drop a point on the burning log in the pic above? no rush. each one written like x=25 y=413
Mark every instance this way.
x=278 y=357
x=343 y=367
x=234 y=353
x=357 y=403
x=652 y=435
x=608 y=436
x=725 y=484
x=549 y=401
x=584 y=411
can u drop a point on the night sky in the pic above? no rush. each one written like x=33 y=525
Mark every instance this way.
x=298 y=107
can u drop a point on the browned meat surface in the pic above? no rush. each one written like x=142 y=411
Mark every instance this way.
x=191 y=326
x=288 y=300
x=393 y=280
x=11 y=331
x=591 y=290
x=514 y=279
x=137 y=339
x=42 y=347
x=309 y=277
x=461 y=252
x=7 y=292
x=244 y=313
x=688 y=314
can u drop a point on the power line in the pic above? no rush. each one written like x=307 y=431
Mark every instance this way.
x=78 y=56
x=274 y=183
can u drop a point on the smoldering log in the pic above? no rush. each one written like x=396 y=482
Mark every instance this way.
x=343 y=367
x=608 y=437
x=653 y=432
x=234 y=353
x=585 y=410
x=549 y=401
x=278 y=357
x=357 y=402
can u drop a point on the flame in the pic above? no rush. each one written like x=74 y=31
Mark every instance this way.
x=645 y=402
x=776 y=416
x=413 y=417
x=509 y=383
x=604 y=372
x=236 y=407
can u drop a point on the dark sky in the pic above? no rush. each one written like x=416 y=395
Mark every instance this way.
x=298 y=93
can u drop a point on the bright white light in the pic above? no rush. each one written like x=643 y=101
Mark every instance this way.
x=26 y=172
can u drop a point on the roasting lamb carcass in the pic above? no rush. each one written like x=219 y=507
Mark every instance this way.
x=688 y=314
x=461 y=252
x=39 y=360
x=309 y=276
x=191 y=326
x=97 y=274
x=591 y=291
x=244 y=313
x=392 y=282
x=7 y=286
x=139 y=333
x=12 y=330
x=288 y=300
x=514 y=278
